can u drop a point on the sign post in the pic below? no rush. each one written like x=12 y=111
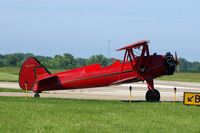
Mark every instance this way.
x=130 y=95
x=26 y=86
x=191 y=98
x=175 y=94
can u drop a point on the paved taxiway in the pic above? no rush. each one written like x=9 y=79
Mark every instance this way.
x=120 y=92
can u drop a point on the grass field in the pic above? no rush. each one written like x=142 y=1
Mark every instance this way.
x=186 y=77
x=10 y=90
x=11 y=74
x=8 y=77
x=91 y=116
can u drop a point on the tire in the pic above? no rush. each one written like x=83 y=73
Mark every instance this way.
x=36 y=95
x=153 y=96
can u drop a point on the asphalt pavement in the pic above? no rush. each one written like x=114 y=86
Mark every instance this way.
x=120 y=92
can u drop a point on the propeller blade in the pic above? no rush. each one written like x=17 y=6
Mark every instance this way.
x=176 y=59
x=177 y=68
x=177 y=62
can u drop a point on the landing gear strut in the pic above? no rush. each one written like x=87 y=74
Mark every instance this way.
x=36 y=95
x=153 y=95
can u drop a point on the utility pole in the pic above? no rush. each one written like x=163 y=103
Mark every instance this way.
x=109 y=50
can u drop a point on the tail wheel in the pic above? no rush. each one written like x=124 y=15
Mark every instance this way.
x=153 y=96
x=36 y=95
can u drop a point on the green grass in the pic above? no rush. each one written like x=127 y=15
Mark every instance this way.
x=10 y=90
x=10 y=74
x=91 y=116
x=8 y=77
x=10 y=70
x=56 y=70
x=186 y=77
x=15 y=70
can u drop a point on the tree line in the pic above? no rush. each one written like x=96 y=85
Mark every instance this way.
x=67 y=61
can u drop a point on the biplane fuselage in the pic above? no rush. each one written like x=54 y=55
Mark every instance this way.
x=34 y=76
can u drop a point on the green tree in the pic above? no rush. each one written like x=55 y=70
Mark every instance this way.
x=1 y=60
x=10 y=60
x=98 y=59
x=80 y=62
x=68 y=61
x=185 y=66
x=195 y=66
x=56 y=61
x=45 y=60
x=22 y=57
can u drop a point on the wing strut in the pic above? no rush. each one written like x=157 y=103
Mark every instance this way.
x=128 y=55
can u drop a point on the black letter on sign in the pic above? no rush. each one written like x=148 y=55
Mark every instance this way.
x=197 y=98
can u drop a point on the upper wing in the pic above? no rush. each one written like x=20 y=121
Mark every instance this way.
x=134 y=45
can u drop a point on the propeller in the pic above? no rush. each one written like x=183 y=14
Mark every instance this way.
x=177 y=62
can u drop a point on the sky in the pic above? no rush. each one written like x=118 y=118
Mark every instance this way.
x=83 y=27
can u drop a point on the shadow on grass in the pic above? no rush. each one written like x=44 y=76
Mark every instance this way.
x=143 y=101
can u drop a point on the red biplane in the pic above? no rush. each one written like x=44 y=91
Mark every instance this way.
x=143 y=67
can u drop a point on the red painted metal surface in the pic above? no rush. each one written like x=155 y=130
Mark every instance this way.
x=132 y=69
x=135 y=45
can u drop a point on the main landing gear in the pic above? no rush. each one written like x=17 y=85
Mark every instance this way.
x=153 y=95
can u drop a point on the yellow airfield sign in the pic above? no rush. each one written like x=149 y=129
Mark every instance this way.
x=191 y=98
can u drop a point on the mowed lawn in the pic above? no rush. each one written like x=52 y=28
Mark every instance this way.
x=185 y=77
x=91 y=116
x=11 y=74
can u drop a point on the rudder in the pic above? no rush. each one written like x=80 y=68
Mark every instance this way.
x=31 y=69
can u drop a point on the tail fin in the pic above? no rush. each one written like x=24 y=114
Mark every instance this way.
x=31 y=69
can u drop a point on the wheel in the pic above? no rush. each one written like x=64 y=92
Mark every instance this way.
x=153 y=96
x=36 y=95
